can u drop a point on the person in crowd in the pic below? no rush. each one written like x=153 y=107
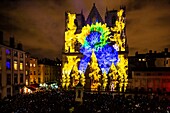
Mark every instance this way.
x=64 y=102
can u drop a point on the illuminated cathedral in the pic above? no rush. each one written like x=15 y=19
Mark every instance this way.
x=95 y=51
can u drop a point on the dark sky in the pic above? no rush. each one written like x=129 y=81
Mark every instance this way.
x=39 y=24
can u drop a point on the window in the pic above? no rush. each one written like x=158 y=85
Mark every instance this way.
x=159 y=74
x=137 y=74
x=8 y=92
x=15 y=65
x=34 y=73
x=16 y=54
x=8 y=79
x=30 y=72
x=30 y=64
x=15 y=78
x=143 y=59
x=79 y=94
x=149 y=80
x=39 y=80
x=44 y=79
x=21 y=78
x=26 y=82
x=26 y=72
x=33 y=65
x=39 y=73
x=21 y=55
x=8 y=52
x=139 y=59
x=8 y=64
x=148 y=74
x=21 y=66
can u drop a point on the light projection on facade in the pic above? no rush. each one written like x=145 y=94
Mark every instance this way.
x=100 y=59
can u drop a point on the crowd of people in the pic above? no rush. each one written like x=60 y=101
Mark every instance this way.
x=64 y=102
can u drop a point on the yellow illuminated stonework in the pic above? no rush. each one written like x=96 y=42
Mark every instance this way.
x=70 y=37
x=93 y=73
x=118 y=29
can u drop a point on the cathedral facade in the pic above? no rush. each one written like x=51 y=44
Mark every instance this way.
x=95 y=51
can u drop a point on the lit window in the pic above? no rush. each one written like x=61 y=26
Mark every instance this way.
x=26 y=82
x=15 y=65
x=8 y=52
x=139 y=59
x=143 y=59
x=26 y=72
x=30 y=64
x=21 y=65
x=33 y=65
x=8 y=64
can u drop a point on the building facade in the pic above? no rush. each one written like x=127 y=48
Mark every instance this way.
x=150 y=71
x=27 y=68
x=95 y=51
x=150 y=59
x=12 y=67
x=155 y=79
x=44 y=70
x=34 y=71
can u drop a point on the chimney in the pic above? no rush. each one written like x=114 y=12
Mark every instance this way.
x=166 y=50
x=150 y=51
x=1 y=37
x=155 y=52
x=136 y=53
x=19 y=46
x=12 y=42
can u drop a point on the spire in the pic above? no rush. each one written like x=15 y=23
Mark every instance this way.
x=94 y=16
x=82 y=11
x=106 y=9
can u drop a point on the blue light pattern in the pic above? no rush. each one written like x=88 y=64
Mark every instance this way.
x=106 y=55
x=8 y=65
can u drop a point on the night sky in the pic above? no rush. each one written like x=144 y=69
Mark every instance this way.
x=39 y=24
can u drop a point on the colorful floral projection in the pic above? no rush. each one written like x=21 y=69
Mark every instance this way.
x=98 y=52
